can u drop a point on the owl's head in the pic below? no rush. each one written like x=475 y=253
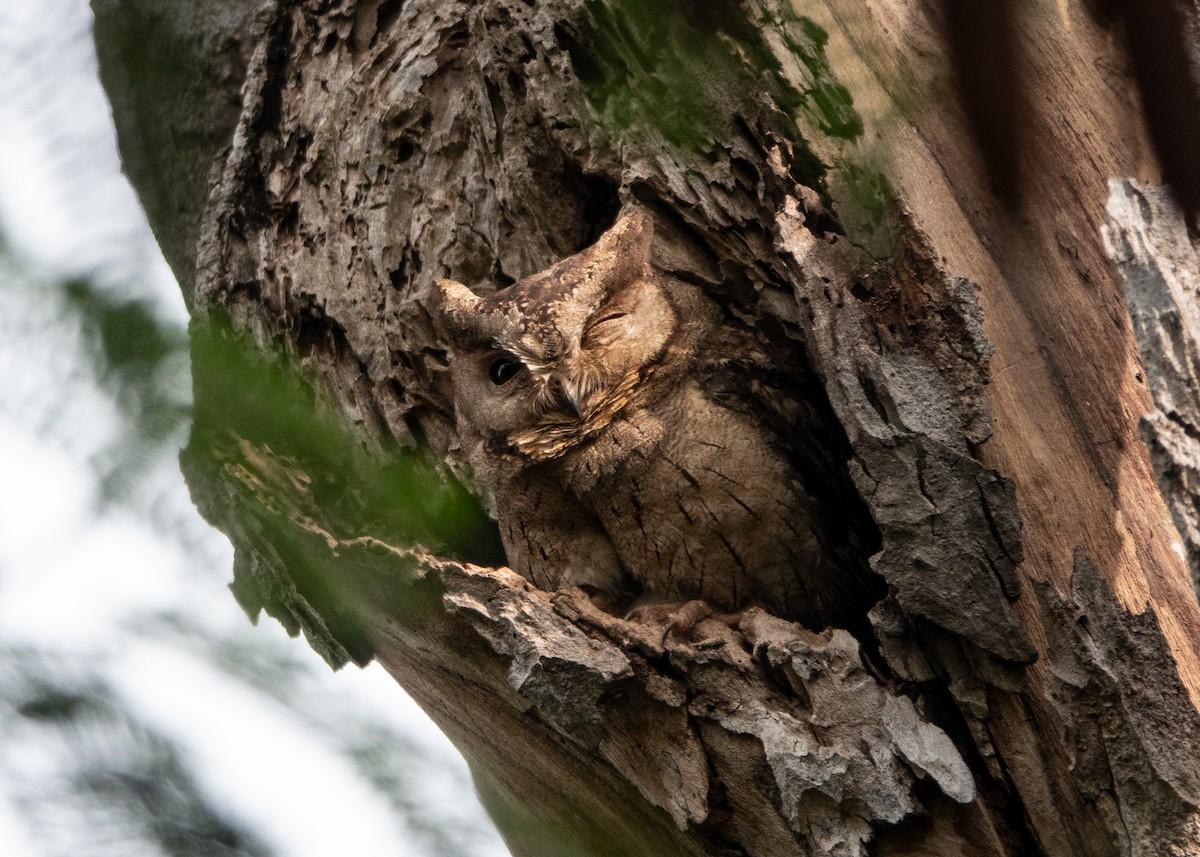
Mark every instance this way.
x=547 y=363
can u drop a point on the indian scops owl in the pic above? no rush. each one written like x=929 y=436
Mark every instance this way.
x=617 y=419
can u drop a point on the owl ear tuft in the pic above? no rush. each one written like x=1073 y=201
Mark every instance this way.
x=624 y=251
x=629 y=240
x=458 y=308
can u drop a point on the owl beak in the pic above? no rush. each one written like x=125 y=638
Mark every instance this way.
x=570 y=404
x=567 y=400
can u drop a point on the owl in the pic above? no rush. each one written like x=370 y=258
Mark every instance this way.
x=638 y=443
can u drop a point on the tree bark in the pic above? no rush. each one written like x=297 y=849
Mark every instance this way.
x=1031 y=681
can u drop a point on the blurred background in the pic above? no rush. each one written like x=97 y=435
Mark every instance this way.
x=140 y=711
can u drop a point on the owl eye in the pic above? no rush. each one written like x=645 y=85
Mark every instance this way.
x=503 y=368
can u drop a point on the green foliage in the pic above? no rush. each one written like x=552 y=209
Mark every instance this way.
x=131 y=339
x=92 y=339
x=140 y=360
x=362 y=485
x=321 y=510
x=122 y=786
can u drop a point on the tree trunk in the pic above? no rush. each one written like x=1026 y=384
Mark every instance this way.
x=827 y=172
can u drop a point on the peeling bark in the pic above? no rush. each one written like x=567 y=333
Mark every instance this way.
x=1029 y=684
x=1152 y=247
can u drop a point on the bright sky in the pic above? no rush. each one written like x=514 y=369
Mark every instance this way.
x=77 y=582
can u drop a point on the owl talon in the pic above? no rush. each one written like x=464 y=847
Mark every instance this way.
x=679 y=619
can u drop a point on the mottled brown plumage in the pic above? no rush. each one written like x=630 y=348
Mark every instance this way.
x=634 y=441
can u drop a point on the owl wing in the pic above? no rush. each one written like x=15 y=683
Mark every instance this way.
x=554 y=541
x=783 y=395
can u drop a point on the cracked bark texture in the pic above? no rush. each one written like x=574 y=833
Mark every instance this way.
x=311 y=168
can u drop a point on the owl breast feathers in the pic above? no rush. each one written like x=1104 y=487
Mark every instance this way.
x=634 y=441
